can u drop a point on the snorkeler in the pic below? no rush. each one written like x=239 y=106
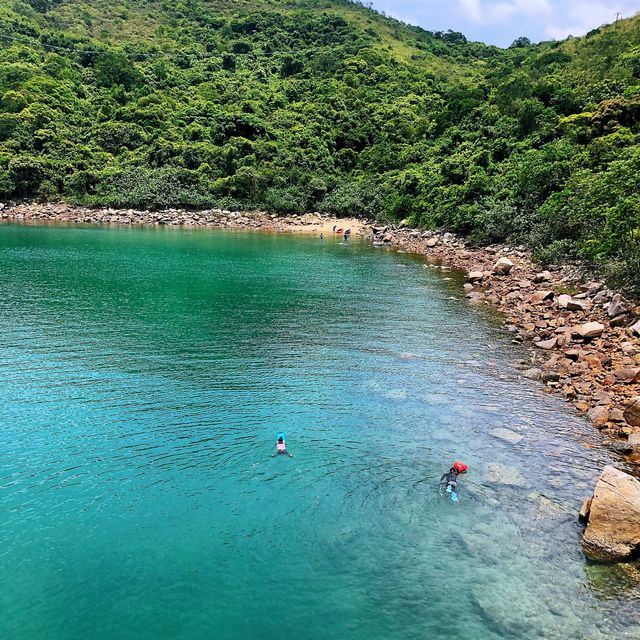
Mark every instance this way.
x=451 y=479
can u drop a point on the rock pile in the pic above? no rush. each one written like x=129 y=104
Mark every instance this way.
x=61 y=212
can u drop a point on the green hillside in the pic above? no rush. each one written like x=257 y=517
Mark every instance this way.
x=301 y=105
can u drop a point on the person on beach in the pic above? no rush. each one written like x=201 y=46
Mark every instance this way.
x=450 y=479
x=321 y=236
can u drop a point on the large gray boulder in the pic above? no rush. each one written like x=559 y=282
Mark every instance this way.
x=613 y=528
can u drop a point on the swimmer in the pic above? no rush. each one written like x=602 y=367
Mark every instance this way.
x=451 y=479
x=281 y=447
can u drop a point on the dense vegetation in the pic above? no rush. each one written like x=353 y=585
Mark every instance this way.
x=311 y=104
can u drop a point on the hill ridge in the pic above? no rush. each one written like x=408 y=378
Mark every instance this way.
x=293 y=106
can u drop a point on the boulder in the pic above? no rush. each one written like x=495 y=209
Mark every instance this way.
x=432 y=242
x=551 y=376
x=589 y=330
x=619 y=321
x=546 y=344
x=634 y=440
x=571 y=304
x=543 y=276
x=599 y=415
x=636 y=328
x=591 y=288
x=626 y=374
x=468 y=287
x=502 y=267
x=602 y=397
x=632 y=412
x=585 y=509
x=539 y=296
x=613 y=529
x=573 y=354
x=617 y=306
x=475 y=276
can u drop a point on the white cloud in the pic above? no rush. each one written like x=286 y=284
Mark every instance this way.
x=497 y=12
x=472 y=9
x=581 y=17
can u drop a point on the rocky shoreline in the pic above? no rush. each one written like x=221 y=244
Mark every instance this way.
x=583 y=339
x=218 y=218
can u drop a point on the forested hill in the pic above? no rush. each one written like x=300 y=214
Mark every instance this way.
x=314 y=104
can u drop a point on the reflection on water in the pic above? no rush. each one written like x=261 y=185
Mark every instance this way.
x=143 y=376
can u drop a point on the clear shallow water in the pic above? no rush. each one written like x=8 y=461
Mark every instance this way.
x=143 y=376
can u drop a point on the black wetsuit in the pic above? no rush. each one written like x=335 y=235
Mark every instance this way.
x=451 y=479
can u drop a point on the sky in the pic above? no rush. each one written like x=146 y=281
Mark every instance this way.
x=500 y=22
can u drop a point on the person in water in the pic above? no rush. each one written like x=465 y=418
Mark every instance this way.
x=281 y=448
x=450 y=479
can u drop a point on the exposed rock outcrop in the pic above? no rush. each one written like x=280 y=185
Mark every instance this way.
x=613 y=526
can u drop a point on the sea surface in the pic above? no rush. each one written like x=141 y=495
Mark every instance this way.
x=144 y=374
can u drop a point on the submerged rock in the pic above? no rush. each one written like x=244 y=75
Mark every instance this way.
x=507 y=435
x=613 y=528
x=502 y=474
x=532 y=374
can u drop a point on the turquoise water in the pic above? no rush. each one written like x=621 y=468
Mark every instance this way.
x=143 y=376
